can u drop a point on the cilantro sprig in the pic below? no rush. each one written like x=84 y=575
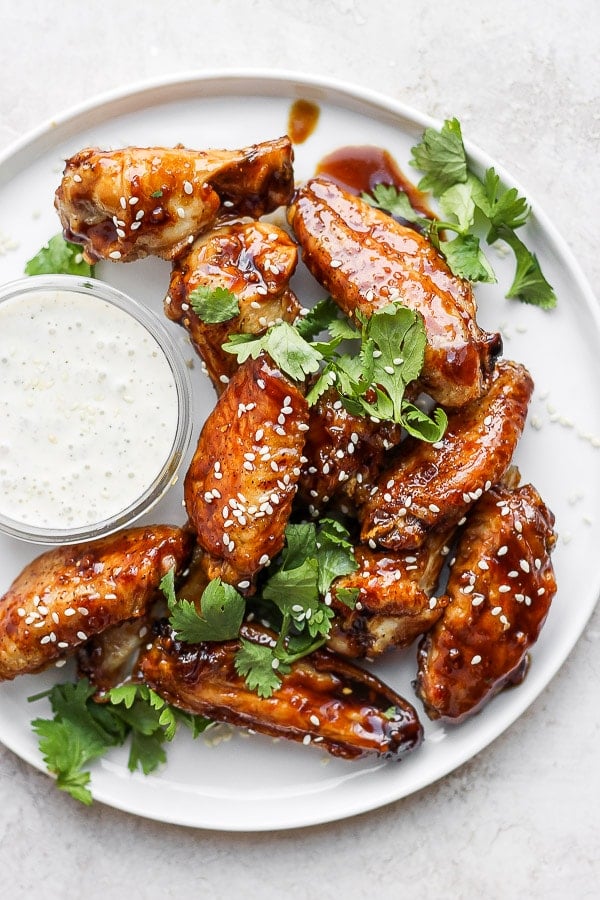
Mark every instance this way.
x=371 y=381
x=214 y=305
x=294 y=595
x=82 y=730
x=468 y=205
x=222 y=611
x=59 y=257
x=298 y=588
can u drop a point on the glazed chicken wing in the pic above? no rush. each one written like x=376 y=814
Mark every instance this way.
x=366 y=260
x=432 y=486
x=323 y=700
x=344 y=454
x=135 y=202
x=68 y=594
x=395 y=600
x=243 y=477
x=252 y=260
x=500 y=589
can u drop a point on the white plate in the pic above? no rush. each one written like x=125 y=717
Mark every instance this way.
x=252 y=783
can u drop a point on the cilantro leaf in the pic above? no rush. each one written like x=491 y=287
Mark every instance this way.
x=284 y=344
x=317 y=319
x=214 y=305
x=466 y=258
x=59 y=257
x=502 y=206
x=441 y=155
x=222 y=612
x=258 y=664
x=465 y=200
x=335 y=553
x=529 y=283
x=393 y=201
x=83 y=730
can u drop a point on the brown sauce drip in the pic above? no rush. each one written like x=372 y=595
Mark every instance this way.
x=359 y=169
x=302 y=120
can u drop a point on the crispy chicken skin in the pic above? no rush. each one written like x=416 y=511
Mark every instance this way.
x=68 y=594
x=253 y=260
x=500 y=589
x=324 y=700
x=432 y=486
x=366 y=259
x=140 y=201
x=395 y=600
x=344 y=454
x=243 y=477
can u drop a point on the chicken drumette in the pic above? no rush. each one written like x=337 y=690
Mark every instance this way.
x=366 y=260
x=498 y=596
x=433 y=485
x=252 y=260
x=134 y=202
x=243 y=478
x=71 y=593
x=323 y=700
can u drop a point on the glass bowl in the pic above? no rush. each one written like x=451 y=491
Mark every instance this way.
x=95 y=402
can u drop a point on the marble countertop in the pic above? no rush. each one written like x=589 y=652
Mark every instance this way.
x=522 y=817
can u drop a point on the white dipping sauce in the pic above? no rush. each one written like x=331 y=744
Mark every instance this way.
x=88 y=409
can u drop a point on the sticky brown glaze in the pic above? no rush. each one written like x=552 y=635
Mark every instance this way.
x=71 y=593
x=323 y=700
x=344 y=454
x=395 y=602
x=139 y=201
x=243 y=476
x=499 y=591
x=366 y=260
x=433 y=485
x=252 y=260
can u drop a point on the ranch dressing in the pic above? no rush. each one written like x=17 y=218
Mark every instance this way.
x=88 y=409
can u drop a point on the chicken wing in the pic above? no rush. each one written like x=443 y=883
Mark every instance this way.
x=395 y=600
x=106 y=659
x=323 y=700
x=68 y=594
x=432 y=486
x=243 y=477
x=366 y=260
x=500 y=589
x=135 y=202
x=252 y=260
x=344 y=454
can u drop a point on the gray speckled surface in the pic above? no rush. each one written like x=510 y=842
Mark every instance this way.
x=522 y=818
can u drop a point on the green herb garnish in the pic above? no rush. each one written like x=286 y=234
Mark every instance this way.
x=468 y=205
x=214 y=305
x=59 y=257
x=83 y=730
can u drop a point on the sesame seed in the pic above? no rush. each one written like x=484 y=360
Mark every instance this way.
x=45 y=639
x=483 y=565
x=434 y=508
x=315 y=720
x=77 y=178
x=477 y=600
x=181 y=212
x=188 y=187
x=263 y=560
x=372 y=544
x=70 y=612
x=82 y=635
x=115 y=254
x=476 y=659
x=502 y=551
x=223 y=379
x=306 y=739
x=496 y=610
x=518 y=526
x=123 y=202
x=335 y=263
x=503 y=588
